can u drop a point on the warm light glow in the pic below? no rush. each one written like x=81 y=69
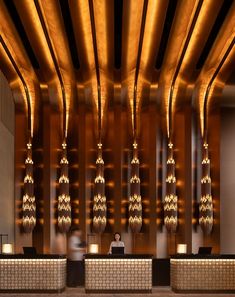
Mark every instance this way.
x=171 y=199
x=171 y=178
x=99 y=207
x=99 y=161
x=99 y=202
x=16 y=49
x=181 y=248
x=136 y=220
x=29 y=203
x=206 y=179
x=7 y=248
x=100 y=198
x=206 y=201
x=135 y=179
x=217 y=53
x=57 y=33
x=186 y=9
x=64 y=161
x=135 y=203
x=28 y=161
x=135 y=161
x=64 y=206
x=99 y=179
x=28 y=178
x=93 y=248
x=99 y=220
x=63 y=178
x=170 y=161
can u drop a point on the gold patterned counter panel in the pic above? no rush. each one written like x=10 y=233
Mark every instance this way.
x=204 y=275
x=32 y=275
x=122 y=275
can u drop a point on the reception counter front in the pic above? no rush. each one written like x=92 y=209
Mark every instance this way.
x=39 y=273
x=194 y=273
x=118 y=273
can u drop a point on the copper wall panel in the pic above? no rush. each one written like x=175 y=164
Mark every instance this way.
x=183 y=158
x=117 y=156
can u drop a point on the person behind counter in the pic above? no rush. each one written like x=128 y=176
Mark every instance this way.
x=116 y=242
x=76 y=250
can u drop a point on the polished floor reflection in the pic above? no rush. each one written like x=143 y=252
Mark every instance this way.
x=157 y=292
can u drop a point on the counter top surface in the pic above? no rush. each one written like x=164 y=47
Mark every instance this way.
x=197 y=256
x=37 y=256
x=125 y=256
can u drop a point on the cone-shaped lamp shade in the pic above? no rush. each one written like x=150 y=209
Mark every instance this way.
x=206 y=203
x=99 y=203
x=171 y=200
x=64 y=206
x=135 y=203
x=29 y=206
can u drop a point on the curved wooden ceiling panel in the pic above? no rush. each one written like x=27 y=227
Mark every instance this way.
x=222 y=43
x=46 y=73
x=181 y=49
x=21 y=64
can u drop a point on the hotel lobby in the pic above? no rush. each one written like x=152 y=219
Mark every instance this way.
x=117 y=141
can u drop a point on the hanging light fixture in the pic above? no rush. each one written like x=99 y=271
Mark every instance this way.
x=171 y=200
x=99 y=205
x=135 y=201
x=135 y=204
x=206 y=203
x=64 y=206
x=99 y=200
x=29 y=205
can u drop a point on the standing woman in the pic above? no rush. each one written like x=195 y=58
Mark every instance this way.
x=116 y=242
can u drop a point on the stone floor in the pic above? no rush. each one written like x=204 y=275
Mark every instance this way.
x=77 y=292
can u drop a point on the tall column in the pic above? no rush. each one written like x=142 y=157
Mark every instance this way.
x=184 y=173
x=21 y=238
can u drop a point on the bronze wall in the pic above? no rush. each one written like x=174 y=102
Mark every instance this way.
x=117 y=154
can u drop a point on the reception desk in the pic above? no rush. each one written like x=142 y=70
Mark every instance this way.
x=39 y=273
x=194 y=273
x=118 y=273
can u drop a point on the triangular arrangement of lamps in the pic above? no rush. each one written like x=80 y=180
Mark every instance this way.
x=64 y=205
x=206 y=202
x=170 y=205
x=171 y=199
x=29 y=205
